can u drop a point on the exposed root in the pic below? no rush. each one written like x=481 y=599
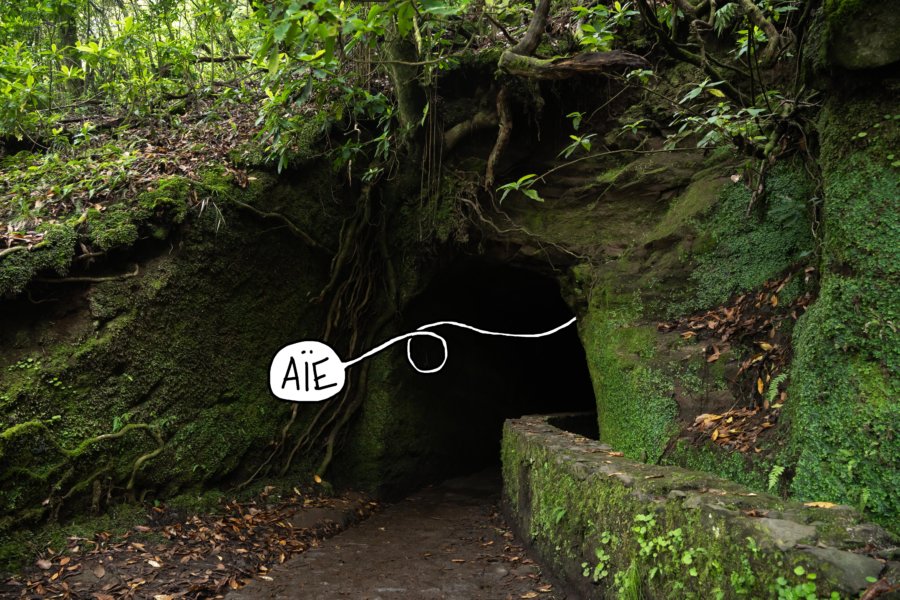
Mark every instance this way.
x=12 y=249
x=310 y=241
x=503 y=111
x=90 y=279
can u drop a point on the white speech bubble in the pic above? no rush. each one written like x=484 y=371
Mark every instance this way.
x=311 y=371
x=307 y=371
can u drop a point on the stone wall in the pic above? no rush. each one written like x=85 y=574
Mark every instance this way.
x=612 y=527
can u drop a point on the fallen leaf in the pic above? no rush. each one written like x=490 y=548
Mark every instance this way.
x=44 y=564
x=820 y=504
x=65 y=560
x=529 y=595
x=154 y=564
x=99 y=571
x=765 y=346
x=760 y=386
x=715 y=434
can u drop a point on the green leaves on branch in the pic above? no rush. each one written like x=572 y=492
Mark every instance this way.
x=523 y=185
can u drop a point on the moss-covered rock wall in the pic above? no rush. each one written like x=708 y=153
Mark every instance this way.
x=844 y=410
x=154 y=384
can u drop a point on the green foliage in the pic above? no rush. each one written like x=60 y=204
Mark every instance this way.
x=523 y=185
x=775 y=475
x=747 y=251
x=59 y=57
x=772 y=392
x=599 y=23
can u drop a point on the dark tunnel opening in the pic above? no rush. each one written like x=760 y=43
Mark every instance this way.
x=488 y=379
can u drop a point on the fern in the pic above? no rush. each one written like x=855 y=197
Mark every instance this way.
x=725 y=17
x=772 y=392
x=774 y=475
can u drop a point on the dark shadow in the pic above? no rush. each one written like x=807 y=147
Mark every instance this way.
x=488 y=379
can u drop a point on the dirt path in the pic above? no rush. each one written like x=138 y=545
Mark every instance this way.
x=446 y=541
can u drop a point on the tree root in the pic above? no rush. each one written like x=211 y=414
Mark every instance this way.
x=503 y=111
x=90 y=279
x=12 y=249
x=71 y=455
x=310 y=241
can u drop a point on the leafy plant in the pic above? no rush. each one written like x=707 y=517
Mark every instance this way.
x=523 y=185
x=578 y=141
x=775 y=475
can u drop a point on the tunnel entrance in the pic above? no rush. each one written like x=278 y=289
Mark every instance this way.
x=488 y=379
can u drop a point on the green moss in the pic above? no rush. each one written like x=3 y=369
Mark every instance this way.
x=839 y=11
x=695 y=201
x=742 y=252
x=183 y=348
x=732 y=465
x=633 y=543
x=635 y=408
x=115 y=227
x=843 y=410
x=53 y=253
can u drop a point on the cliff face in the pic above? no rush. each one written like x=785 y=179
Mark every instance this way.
x=152 y=385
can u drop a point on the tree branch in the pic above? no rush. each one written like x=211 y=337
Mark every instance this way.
x=529 y=43
x=460 y=131
x=589 y=63
x=776 y=40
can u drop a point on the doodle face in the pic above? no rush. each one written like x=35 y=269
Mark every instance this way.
x=307 y=371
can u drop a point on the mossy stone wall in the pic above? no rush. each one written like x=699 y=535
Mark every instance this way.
x=610 y=527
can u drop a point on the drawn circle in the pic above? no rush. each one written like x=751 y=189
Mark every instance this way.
x=430 y=334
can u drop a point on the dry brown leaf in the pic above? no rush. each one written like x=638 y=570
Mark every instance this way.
x=820 y=504
x=529 y=595
x=44 y=564
x=760 y=386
